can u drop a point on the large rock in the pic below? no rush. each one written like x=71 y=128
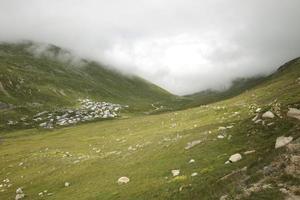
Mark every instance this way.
x=235 y=157
x=294 y=112
x=19 y=194
x=268 y=114
x=282 y=141
x=175 y=172
x=123 y=180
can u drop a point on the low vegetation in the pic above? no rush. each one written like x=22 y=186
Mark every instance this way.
x=172 y=155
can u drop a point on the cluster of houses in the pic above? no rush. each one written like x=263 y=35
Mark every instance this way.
x=88 y=110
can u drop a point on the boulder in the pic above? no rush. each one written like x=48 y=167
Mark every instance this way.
x=67 y=184
x=123 y=180
x=19 y=196
x=19 y=191
x=175 y=172
x=268 y=114
x=294 y=113
x=282 y=141
x=235 y=157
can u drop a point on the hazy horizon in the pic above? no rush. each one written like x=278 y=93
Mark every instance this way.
x=182 y=46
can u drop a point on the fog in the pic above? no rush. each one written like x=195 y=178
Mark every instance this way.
x=183 y=46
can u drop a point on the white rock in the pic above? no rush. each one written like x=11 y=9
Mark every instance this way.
x=67 y=184
x=220 y=136
x=175 y=172
x=255 y=118
x=192 y=144
x=282 y=141
x=19 y=191
x=19 y=196
x=294 y=112
x=192 y=161
x=222 y=128
x=224 y=197
x=258 y=121
x=123 y=180
x=258 y=110
x=249 y=152
x=194 y=174
x=268 y=114
x=235 y=157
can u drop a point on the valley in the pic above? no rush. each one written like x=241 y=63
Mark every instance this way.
x=223 y=149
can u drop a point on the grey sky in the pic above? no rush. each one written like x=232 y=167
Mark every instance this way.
x=182 y=45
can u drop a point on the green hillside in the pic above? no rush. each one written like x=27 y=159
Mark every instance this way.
x=174 y=155
x=53 y=79
x=237 y=87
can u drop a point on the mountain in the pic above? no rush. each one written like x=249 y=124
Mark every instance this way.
x=37 y=77
x=237 y=87
x=245 y=147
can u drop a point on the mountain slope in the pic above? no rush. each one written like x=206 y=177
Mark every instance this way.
x=34 y=78
x=196 y=142
x=237 y=87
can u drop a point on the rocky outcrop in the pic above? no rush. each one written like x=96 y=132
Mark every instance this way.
x=294 y=113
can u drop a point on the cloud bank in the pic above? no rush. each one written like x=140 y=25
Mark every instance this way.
x=182 y=45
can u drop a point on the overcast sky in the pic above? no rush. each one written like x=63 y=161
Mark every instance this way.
x=182 y=45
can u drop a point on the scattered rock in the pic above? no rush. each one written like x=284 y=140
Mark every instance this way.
x=270 y=124
x=258 y=121
x=235 y=157
x=192 y=144
x=294 y=113
x=19 y=191
x=191 y=161
x=175 y=172
x=67 y=184
x=258 y=110
x=221 y=136
x=224 y=197
x=19 y=194
x=194 y=174
x=249 y=152
x=255 y=118
x=123 y=180
x=268 y=114
x=282 y=141
x=293 y=167
x=222 y=128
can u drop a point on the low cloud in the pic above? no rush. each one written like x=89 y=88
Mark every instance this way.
x=183 y=46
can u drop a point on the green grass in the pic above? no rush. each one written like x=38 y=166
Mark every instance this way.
x=29 y=80
x=160 y=141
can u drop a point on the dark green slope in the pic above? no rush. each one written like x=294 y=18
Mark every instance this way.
x=30 y=79
x=237 y=87
x=52 y=80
